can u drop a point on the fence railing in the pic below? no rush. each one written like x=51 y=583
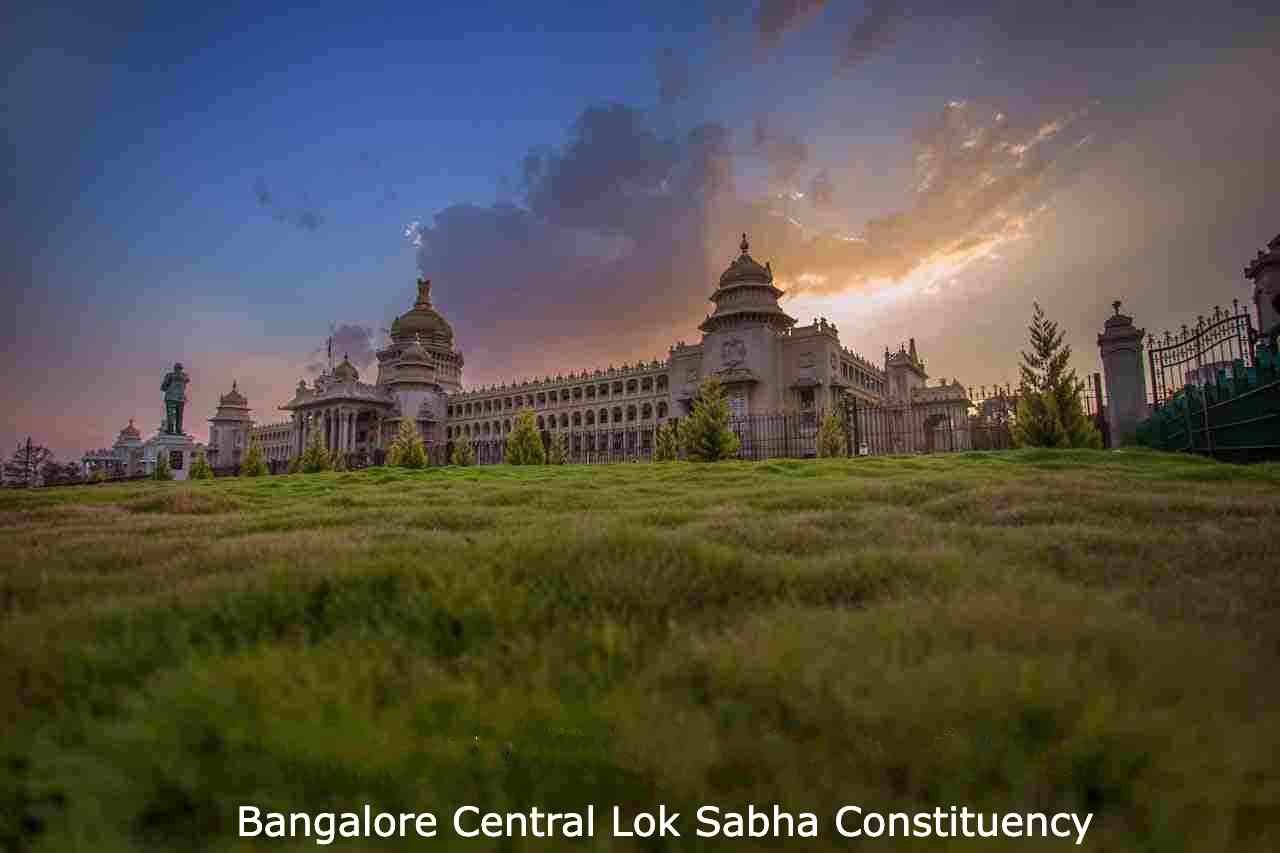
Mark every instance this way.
x=1196 y=355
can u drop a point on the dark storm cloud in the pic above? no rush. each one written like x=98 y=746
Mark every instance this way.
x=786 y=153
x=873 y=31
x=674 y=76
x=350 y=340
x=775 y=17
x=303 y=215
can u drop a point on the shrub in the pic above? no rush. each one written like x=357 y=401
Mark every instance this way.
x=295 y=465
x=407 y=450
x=666 y=444
x=558 y=451
x=200 y=469
x=315 y=458
x=162 y=471
x=340 y=462
x=253 y=465
x=524 y=445
x=463 y=454
x=1050 y=413
x=705 y=434
x=832 y=441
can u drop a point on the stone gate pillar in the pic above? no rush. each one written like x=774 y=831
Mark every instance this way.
x=1264 y=272
x=1124 y=368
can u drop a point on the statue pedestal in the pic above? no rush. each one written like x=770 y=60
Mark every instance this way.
x=180 y=450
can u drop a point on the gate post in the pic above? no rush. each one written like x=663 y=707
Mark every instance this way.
x=1120 y=346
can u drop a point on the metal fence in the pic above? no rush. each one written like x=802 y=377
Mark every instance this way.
x=1197 y=354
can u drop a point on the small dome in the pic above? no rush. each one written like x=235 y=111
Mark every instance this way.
x=746 y=269
x=233 y=397
x=130 y=431
x=346 y=372
x=422 y=319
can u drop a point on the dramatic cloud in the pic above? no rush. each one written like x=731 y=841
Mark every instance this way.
x=786 y=153
x=822 y=190
x=303 y=215
x=775 y=17
x=349 y=340
x=873 y=31
x=674 y=76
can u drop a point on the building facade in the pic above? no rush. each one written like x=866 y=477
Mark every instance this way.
x=766 y=361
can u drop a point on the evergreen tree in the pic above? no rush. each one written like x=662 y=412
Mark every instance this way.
x=558 y=451
x=1050 y=412
x=464 y=453
x=407 y=449
x=666 y=444
x=524 y=445
x=26 y=463
x=832 y=440
x=162 y=471
x=253 y=465
x=315 y=458
x=705 y=434
x=295 y=465
x=200 y=469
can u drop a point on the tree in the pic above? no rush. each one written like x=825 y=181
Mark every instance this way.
x=832 y=441
x=407 y=450
x=705 y=434
x=666 y=444
x=295 y=465
x=253 y=465
x=315 y=458
x=26 y=463
x=463 y=453
x=340 y=462
x=558 y=451
x=200 y=469
x=524 y=445
x=1050 y=412
x=162 y=471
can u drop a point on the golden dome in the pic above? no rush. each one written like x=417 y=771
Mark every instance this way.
x=422 y=320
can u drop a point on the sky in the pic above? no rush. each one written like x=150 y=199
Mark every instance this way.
x=228 y=187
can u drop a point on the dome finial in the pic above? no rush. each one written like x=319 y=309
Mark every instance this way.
x=1116 y=306
x=744 y=245
x=424 y=291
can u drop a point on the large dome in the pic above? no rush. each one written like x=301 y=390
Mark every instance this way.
x=422 y=320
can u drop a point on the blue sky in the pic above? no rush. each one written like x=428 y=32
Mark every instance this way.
x=218 y=186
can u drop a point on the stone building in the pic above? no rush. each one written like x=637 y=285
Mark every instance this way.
x=132 y=456
x=767 y=363
x=229 y=430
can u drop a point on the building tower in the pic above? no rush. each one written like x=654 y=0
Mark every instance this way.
x=1264 y=272
x=229 y=430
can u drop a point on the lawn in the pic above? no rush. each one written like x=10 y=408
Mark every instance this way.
x=1030 y=630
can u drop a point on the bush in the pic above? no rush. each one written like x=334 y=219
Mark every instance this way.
x=253 y=465
x=200 y=469
x=464 y=454
x=407 y=450
x=315 y=458
x=524 y=445
x=558 y=451
x=705 y=434
x=295 y=465
x=666 y=444
x=832 y=441
x=162 y=471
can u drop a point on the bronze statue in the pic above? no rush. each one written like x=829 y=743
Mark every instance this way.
x=174 y=387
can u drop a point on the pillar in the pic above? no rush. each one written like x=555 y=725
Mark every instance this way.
x=1123 y=367
x=1264 y=272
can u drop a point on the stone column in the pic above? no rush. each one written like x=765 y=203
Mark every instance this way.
x=1124 y=368
x=1264 y=272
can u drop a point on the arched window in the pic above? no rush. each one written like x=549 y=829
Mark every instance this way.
x=617 y=414
x=591 y=392
x=564 y=421
x=646 y=384
x=506 y=403
x=577 y=392
x=591 y=418
x=662 y=382
x=604 y=389
x=577 y=419
x=617 y=387
x=506 y=425
x=662 y=410
x=631 y=386
x=646 y=412
x=541 y=423
x=485 y=428
x=604 y=416
x=631 y=413
x=542 y=399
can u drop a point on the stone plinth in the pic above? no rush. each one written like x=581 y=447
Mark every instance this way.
x=176 y=448
x=1120 y=346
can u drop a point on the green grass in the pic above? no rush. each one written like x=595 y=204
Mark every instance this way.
x=1016 y=631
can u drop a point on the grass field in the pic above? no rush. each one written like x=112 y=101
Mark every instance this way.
x=1018 y=631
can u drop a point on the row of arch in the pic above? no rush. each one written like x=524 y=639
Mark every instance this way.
x=566 y=420
x=642 y=385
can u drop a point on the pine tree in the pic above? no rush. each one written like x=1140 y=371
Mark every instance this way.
x=524 y=445
x=1050 y=412
x=705 y=434
x=407 y=450
x=558 y=451
x=253 y=465
x=162 y=471
x=200 y=469
x=464 y=454
x=666 y=444
x=315 y=458
x=832 y=441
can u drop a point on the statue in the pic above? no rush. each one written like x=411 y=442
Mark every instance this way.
x=174 y=387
